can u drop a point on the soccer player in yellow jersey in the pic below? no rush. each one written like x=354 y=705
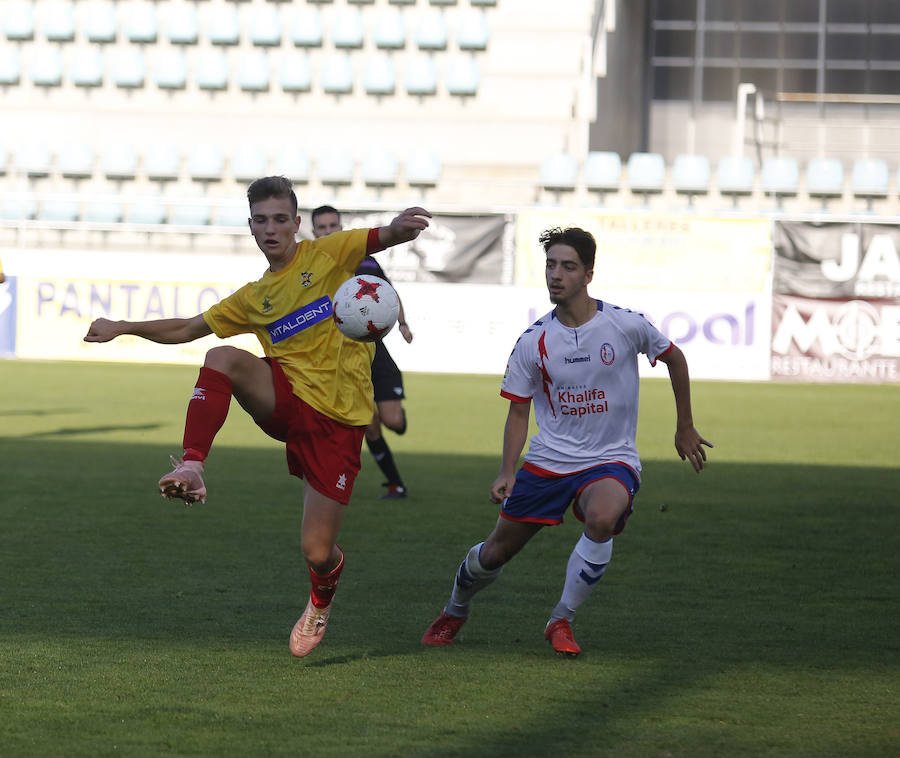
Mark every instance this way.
x=313 y=390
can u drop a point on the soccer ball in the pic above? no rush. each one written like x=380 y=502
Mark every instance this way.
x=365 y=308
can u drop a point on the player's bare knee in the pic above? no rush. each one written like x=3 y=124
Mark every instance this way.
x=600 y=526
x=222 y=358
x=319 y=557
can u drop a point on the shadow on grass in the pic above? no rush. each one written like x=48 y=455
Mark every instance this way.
x=71 y=431
x=745 y=565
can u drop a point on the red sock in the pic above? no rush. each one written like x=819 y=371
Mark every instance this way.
x=325 y=585
x=206 y=413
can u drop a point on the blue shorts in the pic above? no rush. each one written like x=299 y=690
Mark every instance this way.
x=542 y=497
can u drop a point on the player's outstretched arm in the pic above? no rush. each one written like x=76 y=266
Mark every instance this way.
x=404 y=227
x=688 y=442
x=514 y=435
x=170 y=331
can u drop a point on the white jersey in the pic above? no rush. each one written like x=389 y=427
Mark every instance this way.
x=584 y=386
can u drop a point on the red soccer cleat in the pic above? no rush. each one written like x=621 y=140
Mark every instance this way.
x=443 y=629
x=559 y=634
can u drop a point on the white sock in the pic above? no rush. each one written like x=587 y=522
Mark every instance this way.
x=471 y=577
x=586 y=565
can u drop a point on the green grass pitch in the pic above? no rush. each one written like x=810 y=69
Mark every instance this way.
x=757 y=614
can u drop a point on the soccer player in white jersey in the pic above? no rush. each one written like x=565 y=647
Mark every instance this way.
x=578 y=366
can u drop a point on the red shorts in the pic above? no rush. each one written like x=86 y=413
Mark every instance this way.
x=323 y=451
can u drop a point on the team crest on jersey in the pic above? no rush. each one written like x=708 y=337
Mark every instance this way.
x=266 y=305
x=607 y=354
x=306 y=278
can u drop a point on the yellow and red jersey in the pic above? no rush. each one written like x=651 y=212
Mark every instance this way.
x=290 y=312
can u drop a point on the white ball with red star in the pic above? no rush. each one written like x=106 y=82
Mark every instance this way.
x=365 y=308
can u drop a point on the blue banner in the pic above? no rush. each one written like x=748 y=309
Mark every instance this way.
x=300 y=319
x=8 y=317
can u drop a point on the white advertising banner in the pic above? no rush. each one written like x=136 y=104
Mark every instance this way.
x=472 y=328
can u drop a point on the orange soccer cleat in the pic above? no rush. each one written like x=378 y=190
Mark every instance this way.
x=559 y=634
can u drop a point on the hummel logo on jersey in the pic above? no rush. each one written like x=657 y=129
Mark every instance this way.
x=342 y=482
x=306 y=278
x=578 y=359
x=266 y=305
x=198 y=394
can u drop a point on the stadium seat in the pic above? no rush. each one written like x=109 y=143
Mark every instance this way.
x=265 y=29
x=379 y=169
x=75 y=160
x=559 y=173
x=18 y=20
x=379 y=77
x=58 y=22
x=224 y=26
x=306 y=29
x=162 y=162
x=182 y=24
x=348 y=30
x=645 y=174
x=86 y=68
x=140 y=22
x=212 y=70
x=482 y=2
x=253 y=72
x=296 y=73
x=463 y=77
x=249 y=162
x=361 y=2
x=423 y=168
x=293 y=162
x=335 y=166
x=431 y=31
x=869 y=180
x=337 y=74
x=233 y=214
x=18 y=206
x=442 y=2
x=129 y=68
x=47 y=67
x=421 y=76
x=33 y=159
x=59 y=209
x=107 y=211
x=171 y=69
x=691 y=175
x=472 y=33
x=735 y=177
x=100 y=22
x=185 y=213
x=780 y=177
x=825 y=179
x=146 y=211
x=10 y=66
x=390 y=30
x=206 y=163
x=402 y=2
x=602 y=172
x=119 y=161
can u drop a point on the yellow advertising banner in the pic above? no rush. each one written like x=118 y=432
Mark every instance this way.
x=672 y=253
x=54 y=314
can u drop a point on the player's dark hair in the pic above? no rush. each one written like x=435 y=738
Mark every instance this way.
x=325 y=209
x=581 y=241
x=272 y=186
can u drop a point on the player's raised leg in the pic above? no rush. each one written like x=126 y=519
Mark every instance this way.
x=322 y=519
x=226 y=371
